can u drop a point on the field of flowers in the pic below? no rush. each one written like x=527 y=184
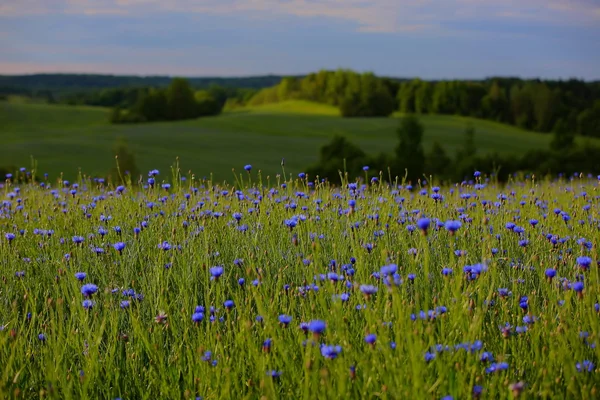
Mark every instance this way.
x=290 y=288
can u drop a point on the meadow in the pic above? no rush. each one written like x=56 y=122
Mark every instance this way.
x=186 y=289
x=65 y=139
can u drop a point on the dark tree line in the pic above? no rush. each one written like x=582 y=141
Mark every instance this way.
x=542 y=106
x=61 y=84
x=176 y=102
x=412 y=161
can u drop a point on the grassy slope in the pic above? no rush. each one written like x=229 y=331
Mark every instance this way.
x=64 y=138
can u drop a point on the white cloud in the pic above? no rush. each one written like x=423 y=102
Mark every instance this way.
x=368 y=15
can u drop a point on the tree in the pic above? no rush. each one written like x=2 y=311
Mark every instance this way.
x=153 y=105
x=588 y=121
x=219 y=94
x=406 y=96
x=545 y=105
x=424 y=98
x=562 y=139
x=125 y=163
x=180 y=100
x=438 y=163
x=468 y=149
x=494 y=105
x=206 y=104
x=409 y=152
x=339 y=155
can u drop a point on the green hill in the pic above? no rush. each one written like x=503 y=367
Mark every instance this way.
x=67 y=138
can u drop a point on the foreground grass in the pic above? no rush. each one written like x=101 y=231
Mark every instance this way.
x=443 y=305
x=64 y=139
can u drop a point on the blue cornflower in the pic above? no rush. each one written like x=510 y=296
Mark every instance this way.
x=248 y=167
x=577 y=286
x=119 y=246
x=87 y=304
x=423 y=224
x=285 y=319
x=10 y=236
x=80 y=275
x=229 y=304
x=266 y=346
x=330 y=352
x=452 y=226
x=495 y=367
x=125 y=304
x=371 y=338
x=368 y=289
x=585 y=366
x=216 y=272
x=89 y=289
x=198 y=316
x=274 y=374
x=317 y=326
x=584 y=262
x=429 y=357
x=550 y=273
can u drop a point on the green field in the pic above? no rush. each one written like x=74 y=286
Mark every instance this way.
x=67 y=138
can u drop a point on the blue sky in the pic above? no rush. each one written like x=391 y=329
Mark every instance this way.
x=432 y=39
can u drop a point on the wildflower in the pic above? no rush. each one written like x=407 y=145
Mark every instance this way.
x=368 y=290
x=423 y=224
x=330 y=352
x=42 y=337
x=495 y=367
x=266 y=346
x=198 y=316
x=584 y=262
x=89 y=289
x=119 y=246
x=248 y=167
x=585 y=366
x=216 y=272
x=274 y=374
x=371 y=338
x=578 y=287
x=452 y=226
x=228 y=304
x=550 y=273
x=429 y=357
x=285 y=319
x=87 y=304
x=317 y=327
x=80 y=275
x=10 y=236
x=125 y=304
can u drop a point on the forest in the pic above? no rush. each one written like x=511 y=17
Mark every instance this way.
x=538 y=105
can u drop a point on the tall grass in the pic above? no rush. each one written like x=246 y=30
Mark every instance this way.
x=291 y=236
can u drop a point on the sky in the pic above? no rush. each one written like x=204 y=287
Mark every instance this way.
x=430 y=39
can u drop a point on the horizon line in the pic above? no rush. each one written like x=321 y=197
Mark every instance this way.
x=301 y=75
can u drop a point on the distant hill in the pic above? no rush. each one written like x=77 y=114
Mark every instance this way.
x=83 y=82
